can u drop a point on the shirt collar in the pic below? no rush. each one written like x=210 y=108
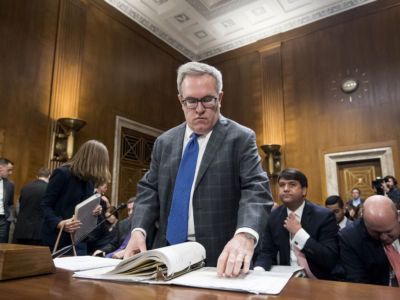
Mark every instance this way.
x=298 y=212
x=188 y=133
x=342 y=224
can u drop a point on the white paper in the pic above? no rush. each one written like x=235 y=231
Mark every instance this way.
x=259 y=282
x=80 y=263
x=253 y=282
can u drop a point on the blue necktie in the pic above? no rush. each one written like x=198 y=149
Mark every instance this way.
x=178 y=214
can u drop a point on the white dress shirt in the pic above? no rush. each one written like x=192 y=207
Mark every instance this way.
x=2 y=197
x=300 y=238
x=342 y=224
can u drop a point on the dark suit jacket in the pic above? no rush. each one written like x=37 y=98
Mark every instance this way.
x=321 y=249
x=63 y=193
x=394 y=195
x=8 y=199
x=350 y=203
x=29 y=222
x=121 y=231
x=231 y=189
x=363 y=258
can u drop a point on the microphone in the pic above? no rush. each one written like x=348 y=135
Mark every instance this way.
x=69 y=247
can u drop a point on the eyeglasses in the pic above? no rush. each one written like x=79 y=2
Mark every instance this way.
x=207 y=101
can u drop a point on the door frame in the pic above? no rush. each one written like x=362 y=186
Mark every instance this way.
x=384 y=154
x=127 y=123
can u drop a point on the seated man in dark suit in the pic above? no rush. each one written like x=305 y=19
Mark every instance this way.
x=122 y=233
x=335 y=204
x=299 y=229
x=366 y=246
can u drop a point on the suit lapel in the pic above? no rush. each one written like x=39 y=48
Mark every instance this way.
x=213 y=146
x=176 y=152
x=5 y=192
x=306 y=217
x=283 y=238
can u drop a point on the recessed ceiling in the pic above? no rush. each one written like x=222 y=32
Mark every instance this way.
x=200 y=29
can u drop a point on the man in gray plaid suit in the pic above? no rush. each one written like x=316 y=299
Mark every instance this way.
x=230 y=198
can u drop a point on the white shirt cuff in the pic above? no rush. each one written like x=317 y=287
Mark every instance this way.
x=300 y=238
x=258 y=268
x=141 y=230
x=249 y=231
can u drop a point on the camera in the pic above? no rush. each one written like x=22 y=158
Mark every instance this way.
x=377 y=185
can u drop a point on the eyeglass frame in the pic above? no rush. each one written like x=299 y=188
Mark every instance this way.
x=201 y=100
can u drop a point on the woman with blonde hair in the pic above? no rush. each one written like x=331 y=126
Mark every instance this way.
x=69 y=185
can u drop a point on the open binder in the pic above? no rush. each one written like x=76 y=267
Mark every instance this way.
x=163 y=263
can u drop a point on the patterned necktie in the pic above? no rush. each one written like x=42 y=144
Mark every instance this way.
x=394 y=259
x=178 y=214
x=302 y=261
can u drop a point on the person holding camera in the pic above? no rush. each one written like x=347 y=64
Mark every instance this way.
x=391 y=189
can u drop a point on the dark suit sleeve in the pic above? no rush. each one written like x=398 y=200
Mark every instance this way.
x=354 y=268
x=266 y=256
x=147 y=204
x=114 y=244
x=53 y=191
x=323 y=249
x=10 y=202
x=255 y=196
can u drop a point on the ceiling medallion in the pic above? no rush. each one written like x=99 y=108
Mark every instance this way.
x=349 y=86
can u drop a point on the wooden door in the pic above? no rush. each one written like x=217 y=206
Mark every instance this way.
x=135 y=159
x=358 y=174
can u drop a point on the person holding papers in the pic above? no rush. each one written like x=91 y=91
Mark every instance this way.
x=303 y=233
x=69 y=185
x=205 y=181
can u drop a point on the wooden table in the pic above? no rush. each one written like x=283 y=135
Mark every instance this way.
x=61 y=285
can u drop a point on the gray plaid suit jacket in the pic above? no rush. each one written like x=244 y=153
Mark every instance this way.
x=231 y=190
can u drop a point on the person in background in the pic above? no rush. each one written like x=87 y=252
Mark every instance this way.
x=300 y=232
x=69 y=185
x=205 y=181
x=6 y=199
x=116 y=248
x=29 y=222
x=352 y=206
x=335 y=204
x=391 y=190
x=111 y=218
x=369 y=247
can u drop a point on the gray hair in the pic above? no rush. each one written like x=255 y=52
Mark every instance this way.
x=197 y=69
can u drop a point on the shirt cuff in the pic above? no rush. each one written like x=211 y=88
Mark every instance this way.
x=250 y=231
x=141 y=230
x=258 y=268
x=300 y=238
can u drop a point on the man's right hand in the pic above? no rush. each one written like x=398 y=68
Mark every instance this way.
x=137 y=243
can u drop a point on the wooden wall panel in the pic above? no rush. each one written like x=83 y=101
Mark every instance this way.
x=242 y=88
x=124 y=73
x=78 y=58
x=27 y=42
x=318 y=117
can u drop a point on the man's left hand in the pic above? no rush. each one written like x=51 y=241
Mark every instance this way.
x=237 y=252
